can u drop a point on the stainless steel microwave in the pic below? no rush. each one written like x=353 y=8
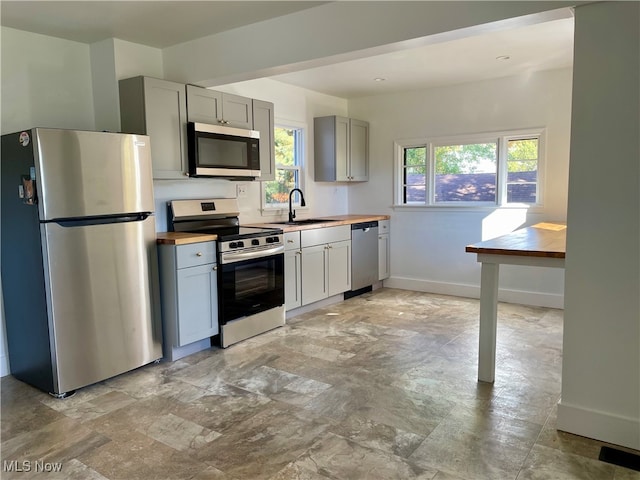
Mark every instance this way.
x=221 y=151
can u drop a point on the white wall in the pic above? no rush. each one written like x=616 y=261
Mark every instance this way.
x=46 y=82
x=601 y=350
x=427 y=244
x=113 y=59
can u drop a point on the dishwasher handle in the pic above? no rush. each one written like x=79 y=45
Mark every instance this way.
x=364 y=225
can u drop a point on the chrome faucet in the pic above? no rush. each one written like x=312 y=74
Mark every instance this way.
x=292 y=213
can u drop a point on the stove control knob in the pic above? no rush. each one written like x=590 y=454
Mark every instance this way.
x=271 y=239
x=255 y=241
x=240 y=244
x=275 y=239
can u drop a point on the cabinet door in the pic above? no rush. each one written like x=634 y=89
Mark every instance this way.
x=342 y=149
x=339 y=267
x=263 y=121
x=358 y=151
x=314 y=274
x=197 y=303
x=157 y=108
x=203 y=105
x=292 y=279
x=237 y=111
x=166 y=114
x=383 y=256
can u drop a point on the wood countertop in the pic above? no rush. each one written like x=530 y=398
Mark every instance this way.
x=333 y=221
x=539 y=240
x=185 y=238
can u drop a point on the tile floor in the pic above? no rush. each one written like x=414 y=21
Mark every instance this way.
x=381 y=386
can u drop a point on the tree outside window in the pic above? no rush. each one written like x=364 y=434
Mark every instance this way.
x=288 y=152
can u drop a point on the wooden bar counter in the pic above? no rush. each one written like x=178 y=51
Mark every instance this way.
x=541 y=245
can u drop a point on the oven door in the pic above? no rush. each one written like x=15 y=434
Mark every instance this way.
x=250 y=286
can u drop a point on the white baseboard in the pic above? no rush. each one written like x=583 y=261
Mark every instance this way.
x=603 y=426
x=4 y=366
x=313 y=306
x=537 y=299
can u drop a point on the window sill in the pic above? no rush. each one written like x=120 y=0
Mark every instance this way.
x=468 y=208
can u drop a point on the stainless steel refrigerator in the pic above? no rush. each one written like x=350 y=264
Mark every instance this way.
x=79 y=277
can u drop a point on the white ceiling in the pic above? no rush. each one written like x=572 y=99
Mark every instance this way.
x=160 y=24
x=154 y=23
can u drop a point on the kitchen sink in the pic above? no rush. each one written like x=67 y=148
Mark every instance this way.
x=306 y=221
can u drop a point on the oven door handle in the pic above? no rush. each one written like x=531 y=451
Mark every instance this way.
x=232 y=257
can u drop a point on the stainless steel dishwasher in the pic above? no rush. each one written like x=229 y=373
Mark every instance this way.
x=364 y=254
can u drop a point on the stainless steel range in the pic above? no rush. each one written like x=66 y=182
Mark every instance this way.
x=250 y=266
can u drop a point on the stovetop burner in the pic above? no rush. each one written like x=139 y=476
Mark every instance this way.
x=220 y=217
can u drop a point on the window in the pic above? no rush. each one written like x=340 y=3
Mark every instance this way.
x=488 y=169
x=289 y=153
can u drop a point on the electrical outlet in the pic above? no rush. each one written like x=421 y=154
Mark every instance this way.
x=241 y=190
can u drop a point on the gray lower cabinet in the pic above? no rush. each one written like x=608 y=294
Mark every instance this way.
x=292 y=271
x=158 y=108
x=189 y=293
x=384 y=250
x=326 y=262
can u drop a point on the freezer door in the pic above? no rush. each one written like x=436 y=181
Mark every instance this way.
x=81 y=174
x=102 y=300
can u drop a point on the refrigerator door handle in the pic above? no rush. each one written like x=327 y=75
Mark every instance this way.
x=102 y=220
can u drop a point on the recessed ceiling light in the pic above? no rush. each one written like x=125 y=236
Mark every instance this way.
x=379 y=79
x=503 y=57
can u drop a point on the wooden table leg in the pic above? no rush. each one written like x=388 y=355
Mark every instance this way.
x=488 y=321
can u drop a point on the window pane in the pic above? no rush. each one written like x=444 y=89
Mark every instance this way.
x=414 y=194
x=522 y=171
x=415 y=175
x=288 y=149
x=285 y=146
x=415 y=156
x=523 y=149
x=466 y=173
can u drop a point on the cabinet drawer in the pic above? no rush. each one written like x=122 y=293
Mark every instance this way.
x=292 y=241
x=383 y=226
x=318 y=236
x=195 y=254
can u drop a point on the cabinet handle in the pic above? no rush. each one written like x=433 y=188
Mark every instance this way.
x=215 y=268
x=289 y=241
x=199 y=254
x=298 y=252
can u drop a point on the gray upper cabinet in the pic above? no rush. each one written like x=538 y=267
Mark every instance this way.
x=158 y=108
x=218 y=108
x=358 y=150
x=204 y=105
x=341 y=149
x=263 y=121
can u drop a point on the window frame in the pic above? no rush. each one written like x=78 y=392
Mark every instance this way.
x=300 y=153
x=501 y=140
